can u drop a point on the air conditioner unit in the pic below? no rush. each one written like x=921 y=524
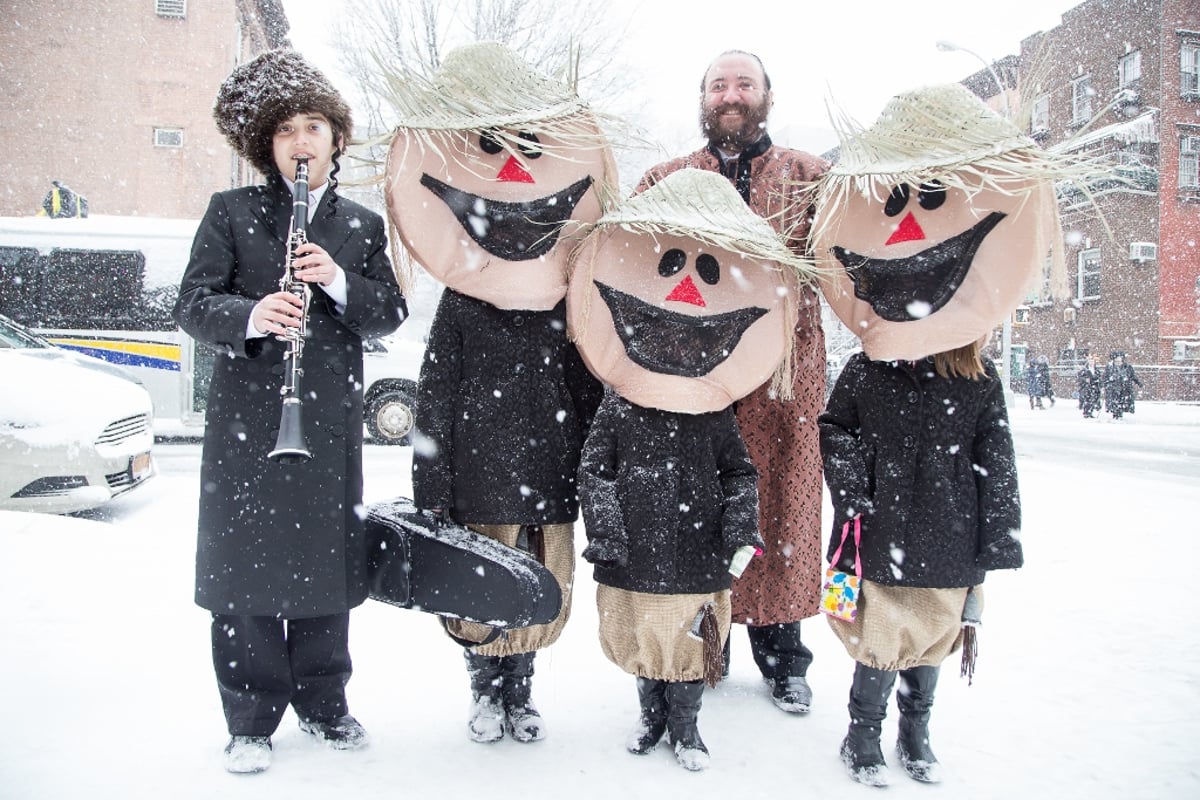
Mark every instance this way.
x=1143 y=251
x=1186 y=351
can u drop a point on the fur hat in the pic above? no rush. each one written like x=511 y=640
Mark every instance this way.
x=262 y=93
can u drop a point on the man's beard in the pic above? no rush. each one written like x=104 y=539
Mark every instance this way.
x=754 y=122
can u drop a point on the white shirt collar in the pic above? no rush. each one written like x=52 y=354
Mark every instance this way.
x=314 y=195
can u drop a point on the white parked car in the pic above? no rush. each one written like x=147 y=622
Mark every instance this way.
x=74 y=431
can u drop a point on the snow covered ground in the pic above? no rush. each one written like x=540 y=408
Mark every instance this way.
x=1088 y=682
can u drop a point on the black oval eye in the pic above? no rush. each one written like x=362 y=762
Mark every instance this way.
x=897 y=200
x=931 y=195
x=532 y=150
x=671 y=262
x=489 y=143
x=708 y=269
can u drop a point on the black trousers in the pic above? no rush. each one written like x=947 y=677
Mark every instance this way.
x=263 y=664
x=778 y=651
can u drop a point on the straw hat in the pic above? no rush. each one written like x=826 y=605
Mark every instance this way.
x=481 y=86
x=699 y=204
x=932 y=128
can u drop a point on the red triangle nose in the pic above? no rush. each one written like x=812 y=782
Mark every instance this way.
x=686 y=292
x=514 y=172
x=909 y=230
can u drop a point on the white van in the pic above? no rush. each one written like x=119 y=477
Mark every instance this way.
x=105 y=286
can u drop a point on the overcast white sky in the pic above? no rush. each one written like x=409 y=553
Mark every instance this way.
x=858 y=54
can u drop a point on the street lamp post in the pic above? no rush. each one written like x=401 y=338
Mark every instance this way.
x=1006 y=329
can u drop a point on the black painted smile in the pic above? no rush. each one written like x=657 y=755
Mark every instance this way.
x=675 y=344
x=924 y=282
x=511 y=231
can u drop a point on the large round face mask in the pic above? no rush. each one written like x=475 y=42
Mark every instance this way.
x=672 y=323
x=925 y=269
x=493 y=221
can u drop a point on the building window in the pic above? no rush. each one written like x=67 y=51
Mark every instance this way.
x=1129 y=69
x=1189 y=162
x=1189 y=69
x=1088 y=286
x=176 y=9
x=1081 y=100
x=1040 y=120
x=168 y=137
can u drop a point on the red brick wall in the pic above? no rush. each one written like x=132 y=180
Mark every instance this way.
x=85 y=84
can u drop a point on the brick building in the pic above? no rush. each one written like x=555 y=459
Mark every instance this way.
x=1121 y=78
x=115 y=98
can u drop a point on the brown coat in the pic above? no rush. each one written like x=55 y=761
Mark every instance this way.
x=784 y=583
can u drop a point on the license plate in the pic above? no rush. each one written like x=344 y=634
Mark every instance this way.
x=140 y=466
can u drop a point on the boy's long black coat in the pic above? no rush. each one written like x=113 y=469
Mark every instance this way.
x=275 y=539
x=929 y=464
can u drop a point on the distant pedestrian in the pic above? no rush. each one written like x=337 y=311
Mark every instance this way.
x=1089 y=383
x=1119 y=379
x=1039 y=383
x=61 y=202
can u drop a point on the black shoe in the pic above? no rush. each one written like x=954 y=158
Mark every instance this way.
x=791 y=693
x=343 y=733
x=246 y=755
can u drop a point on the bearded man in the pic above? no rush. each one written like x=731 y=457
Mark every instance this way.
x=778 y=420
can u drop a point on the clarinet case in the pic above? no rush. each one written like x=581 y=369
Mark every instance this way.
x=446 y=569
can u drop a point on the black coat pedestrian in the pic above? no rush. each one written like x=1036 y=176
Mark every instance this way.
x=283 y=540
x=667 y=498
x=1088 y=381
x=503 y=405
x=929 y=464
x=1119 y=379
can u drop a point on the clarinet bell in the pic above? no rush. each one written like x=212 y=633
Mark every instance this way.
x=290 y=447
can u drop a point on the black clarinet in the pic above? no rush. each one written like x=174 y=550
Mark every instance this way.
x=290 y=446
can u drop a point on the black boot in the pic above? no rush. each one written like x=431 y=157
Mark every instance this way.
x=683 y=709
x=915 y=698
x=652 y=722
x=522 y=717
x=486 y=723
x=860 y=751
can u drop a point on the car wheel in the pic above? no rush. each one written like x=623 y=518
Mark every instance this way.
x=390 y=418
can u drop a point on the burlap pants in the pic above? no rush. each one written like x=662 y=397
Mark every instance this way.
x=900 y=627
x=647 y=634
x=559 y=558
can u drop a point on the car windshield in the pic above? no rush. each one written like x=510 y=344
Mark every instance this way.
x=13 y=335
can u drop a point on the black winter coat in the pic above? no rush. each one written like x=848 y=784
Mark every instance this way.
x=1119 y=396
x=283 y=540
x=667 y=498
x=929 y=464
x=503 y=405
x=1089 y=390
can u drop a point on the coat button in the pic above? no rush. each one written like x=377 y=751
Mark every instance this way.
x=337 y=430
x=518 y=321
x=908 y=441
x=337 y=368
x=913 y=397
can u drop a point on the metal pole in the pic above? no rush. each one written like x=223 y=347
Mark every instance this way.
x=1006 y=329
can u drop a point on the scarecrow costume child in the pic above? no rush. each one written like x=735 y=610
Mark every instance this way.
x=491 y=169
x=678 y=301
x=281 y=555
x=933 y=226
